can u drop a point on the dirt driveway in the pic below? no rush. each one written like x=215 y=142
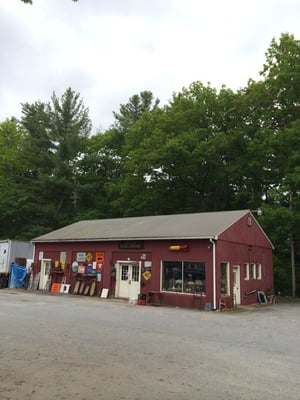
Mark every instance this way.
x=72 y=347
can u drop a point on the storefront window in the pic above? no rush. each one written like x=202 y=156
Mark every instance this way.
x=183 y=277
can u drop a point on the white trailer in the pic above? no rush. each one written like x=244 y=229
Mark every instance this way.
x=10 y=251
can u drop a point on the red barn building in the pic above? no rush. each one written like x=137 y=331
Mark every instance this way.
x=212 y=260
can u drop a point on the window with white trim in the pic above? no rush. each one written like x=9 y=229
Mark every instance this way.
x=183 y=277
x=246 y=271
x=252 y=271
x=258 y=271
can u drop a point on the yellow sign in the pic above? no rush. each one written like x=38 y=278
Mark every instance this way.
x=147 y=275
x=89 y=257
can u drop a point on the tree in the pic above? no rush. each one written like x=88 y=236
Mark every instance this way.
x=13 y=189
x=280 y=111
x=282 y=73
x=115 y=147
x=132 y=111
x=102 y=165
x=70 y=127
x=100 y=168
x=286 y=197
x=57 y=135
x=176 y=157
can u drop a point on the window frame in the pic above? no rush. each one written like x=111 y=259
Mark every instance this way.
x=246 y=271
x=252 y=271
x=258 y=271
x=198 y=287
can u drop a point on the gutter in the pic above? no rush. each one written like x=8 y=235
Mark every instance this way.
x=214 y=274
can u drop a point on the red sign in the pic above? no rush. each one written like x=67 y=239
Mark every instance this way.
x=99 y=267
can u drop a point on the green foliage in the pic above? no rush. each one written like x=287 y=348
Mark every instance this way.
x=132 y=111
x=13 y=170
x=57 y=135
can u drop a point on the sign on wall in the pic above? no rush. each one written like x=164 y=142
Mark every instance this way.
x=80 y=257
x=63 y=256
x=100 y=257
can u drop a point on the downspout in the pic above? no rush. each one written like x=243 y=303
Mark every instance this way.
x=214 y=274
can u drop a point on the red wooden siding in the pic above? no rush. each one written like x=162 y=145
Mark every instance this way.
x=242 y=243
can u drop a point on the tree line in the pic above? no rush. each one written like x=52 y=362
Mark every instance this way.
x=206 y=150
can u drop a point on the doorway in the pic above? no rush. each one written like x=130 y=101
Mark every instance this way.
x=128 y=280
x=45 y=273
x=236 y=284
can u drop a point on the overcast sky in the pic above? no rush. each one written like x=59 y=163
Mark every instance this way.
x=109 y=50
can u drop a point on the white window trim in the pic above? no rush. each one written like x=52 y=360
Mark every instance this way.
x=252 y=271
x=258 y=271
x=182 y=276
x=246 y=266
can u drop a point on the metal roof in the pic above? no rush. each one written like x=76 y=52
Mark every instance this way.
x=178 y=226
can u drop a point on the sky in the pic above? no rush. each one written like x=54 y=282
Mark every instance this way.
x=110 y=50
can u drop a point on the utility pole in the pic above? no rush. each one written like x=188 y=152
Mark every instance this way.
x=293 y=265
x=292 y=243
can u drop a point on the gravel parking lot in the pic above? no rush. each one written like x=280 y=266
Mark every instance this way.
x=73 y=347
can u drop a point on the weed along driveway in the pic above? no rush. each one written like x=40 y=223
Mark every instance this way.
x=66 y=347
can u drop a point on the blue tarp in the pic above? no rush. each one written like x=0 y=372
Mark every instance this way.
x=17 y=275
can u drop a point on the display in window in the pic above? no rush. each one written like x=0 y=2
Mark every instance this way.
x=184 y=277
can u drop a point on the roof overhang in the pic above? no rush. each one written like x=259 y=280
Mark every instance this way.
x=70 y=240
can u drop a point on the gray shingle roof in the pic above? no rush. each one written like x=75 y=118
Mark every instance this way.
x=178 y=226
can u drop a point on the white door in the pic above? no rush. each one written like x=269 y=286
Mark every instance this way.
x=129 y=280
x=237 y=284
x=4 y=254
x=45 y=273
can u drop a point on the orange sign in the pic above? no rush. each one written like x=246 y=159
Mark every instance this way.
x=100 y=257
